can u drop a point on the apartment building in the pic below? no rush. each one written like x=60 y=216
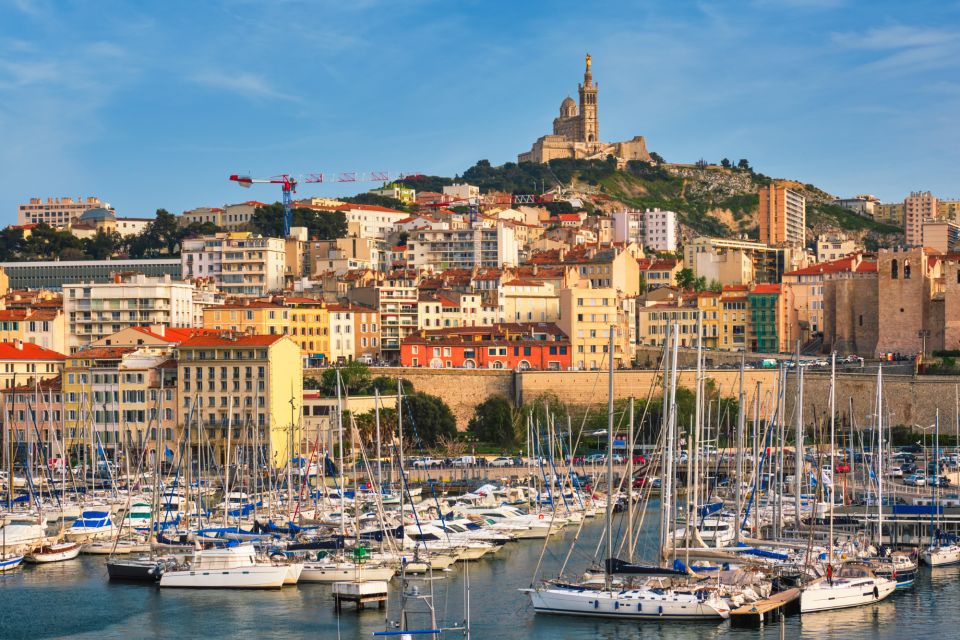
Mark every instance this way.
x=56 y=212
x=680 y=315
x=783 y=217
x=482 y=245
x=43 y=327
x=833 y=247
x=247 y=383
x=586 y=316
x=918 y=207
x=305 y=320
x=656 y=272
x=395 y=299
x=23 y=362
x=734 y=327
x=53 y=275
x=240 y=263
x=660 y=230
x=344 y=254
x=943 y=236
x=768 y=319
x=95 y=310
x=523 y=300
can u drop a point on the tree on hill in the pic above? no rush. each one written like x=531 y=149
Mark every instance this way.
x=685 y=278
x=428 y=419
x=725 y=163
x=325 y=225
x=494 y=421
x=427 y=183
x=377 y=200
x=103 y=244
x=355 y=379
x=743 y=164
x=656 y=157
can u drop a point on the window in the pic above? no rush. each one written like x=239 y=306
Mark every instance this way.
x=894 y=270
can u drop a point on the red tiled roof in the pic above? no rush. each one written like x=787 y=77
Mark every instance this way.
x=178 y=334
x=840 y=265
x=367 y=207
x=27 y=351
x=766 y=288
x=103 y=353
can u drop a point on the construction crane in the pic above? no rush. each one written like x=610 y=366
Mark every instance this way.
x=288 y=185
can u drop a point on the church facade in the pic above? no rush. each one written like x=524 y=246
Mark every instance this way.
x=576 y=132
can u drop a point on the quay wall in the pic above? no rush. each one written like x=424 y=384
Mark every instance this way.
x=909 y=400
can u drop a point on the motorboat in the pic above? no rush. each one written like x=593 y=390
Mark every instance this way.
x=232 y=567
x=629 y=604
x=139 y=568
x=91 y=525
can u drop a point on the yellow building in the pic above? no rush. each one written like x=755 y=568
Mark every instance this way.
x=305 y=320
x=246 y=382
x=586 y=316
x=24 y=362
x=708 y=302
x=734 y=327
x=44 y=327
x=115 y=399
x=681 y=315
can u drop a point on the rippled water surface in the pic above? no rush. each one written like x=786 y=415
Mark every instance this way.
x=75 y=600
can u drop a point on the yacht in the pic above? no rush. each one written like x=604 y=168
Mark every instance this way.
x=91 y=525
x=937 y=555
x=629 y=604
x=233 y=567
x=852 y=585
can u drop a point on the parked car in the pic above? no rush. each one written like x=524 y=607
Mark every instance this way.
x=596 y=458
x=915 y=480
x=463 y=461
x=938 y=481
x=618 y=458
x=842 y=467
x=427 y=463
x=895 y=472
x=501 y=462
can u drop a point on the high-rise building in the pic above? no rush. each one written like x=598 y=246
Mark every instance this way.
x=918 y=207
x=660 y=230
x=783 y=216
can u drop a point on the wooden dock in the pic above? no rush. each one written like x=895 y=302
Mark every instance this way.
x=755 y=614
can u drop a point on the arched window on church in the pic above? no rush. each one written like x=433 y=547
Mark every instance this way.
x=894 y=270
x=906 y=269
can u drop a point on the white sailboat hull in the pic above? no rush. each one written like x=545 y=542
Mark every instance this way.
x=54 y=553
x=941 y=556
x=627 y=605
x=820 y=596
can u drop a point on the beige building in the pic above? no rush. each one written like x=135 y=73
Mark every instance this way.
x=576 y=132
x=45 y=327
x=586 y=316
x=918 y=207
x=524 y=300
x=241 y=263
x=783 y=217
x=942 y=236
x=246 y=382
x=834 y=247
x=889 y=213
x=23 y=363
x=56 y=212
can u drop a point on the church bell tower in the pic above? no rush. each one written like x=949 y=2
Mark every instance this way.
x=589 y=127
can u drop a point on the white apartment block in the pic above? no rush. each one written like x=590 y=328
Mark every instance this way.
x=834 y=246
x=240 y=263
x=478 y=246
x=660 y=230
x=96 y=310
x=628 y=226
x=528 y=301
x=56 y=212
x=369 y=221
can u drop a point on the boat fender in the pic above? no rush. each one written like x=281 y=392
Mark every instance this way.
x=616 y=605
x=660 y=610
x=639 y=606
x=876 y=592
x=596 y=604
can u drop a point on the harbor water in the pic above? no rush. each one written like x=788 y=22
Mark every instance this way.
x=74 y=599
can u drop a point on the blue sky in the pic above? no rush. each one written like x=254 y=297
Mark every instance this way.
x=154 y=104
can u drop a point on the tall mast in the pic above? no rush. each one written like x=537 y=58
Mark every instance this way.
x=880 y=452
x=343 y=523
x=665 y=456
x=629 y=485
x=610 y=494
x=833 y=484
x=376 y=409
x=798 y=445
x=741 y=414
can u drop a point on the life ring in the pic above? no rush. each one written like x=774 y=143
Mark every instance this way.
x=540 y=516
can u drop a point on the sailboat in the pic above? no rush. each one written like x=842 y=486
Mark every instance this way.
x=656 y=599
x=233 y=567
x=852 y=584
x=57 y=552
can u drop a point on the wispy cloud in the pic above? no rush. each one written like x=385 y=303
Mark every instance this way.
x=904 y=48
x=250 y=85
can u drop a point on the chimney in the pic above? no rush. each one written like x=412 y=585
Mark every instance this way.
x=18 y=344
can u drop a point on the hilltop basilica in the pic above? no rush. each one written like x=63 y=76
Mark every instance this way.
x=576 y=133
